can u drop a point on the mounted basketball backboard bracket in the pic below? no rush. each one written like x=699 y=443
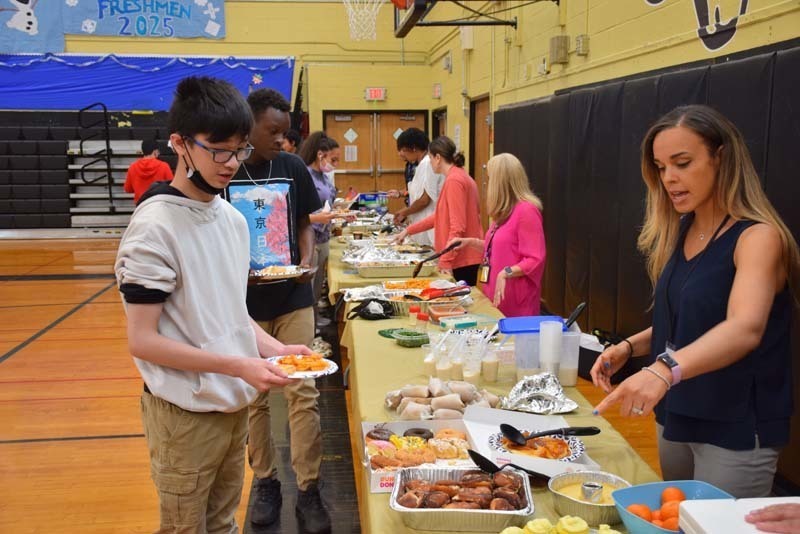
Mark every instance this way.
x=415 y=13
x=417 y=10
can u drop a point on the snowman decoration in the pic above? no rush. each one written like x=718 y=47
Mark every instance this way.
x=24 y=19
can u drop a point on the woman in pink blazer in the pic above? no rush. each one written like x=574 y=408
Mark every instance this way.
x=513 y=248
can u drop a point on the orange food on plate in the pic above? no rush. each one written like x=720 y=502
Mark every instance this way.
x=671 y=523
x=642 y=510
x=672 y=494
x=288 y=369
x=304 y=362
x=544 y=447
x=658 y=523
x=669 y=509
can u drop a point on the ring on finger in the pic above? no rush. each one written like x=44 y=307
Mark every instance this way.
x=637 y=411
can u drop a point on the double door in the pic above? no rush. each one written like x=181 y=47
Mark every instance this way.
x=369 y=160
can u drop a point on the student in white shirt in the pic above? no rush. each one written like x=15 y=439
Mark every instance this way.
x=424 y=188
x=182 y=268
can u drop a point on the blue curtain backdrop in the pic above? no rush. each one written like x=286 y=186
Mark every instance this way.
x=67 y=82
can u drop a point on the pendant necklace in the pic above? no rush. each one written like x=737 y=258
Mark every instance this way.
x=269 y=175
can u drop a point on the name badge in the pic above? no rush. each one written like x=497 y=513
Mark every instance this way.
x=483 y=273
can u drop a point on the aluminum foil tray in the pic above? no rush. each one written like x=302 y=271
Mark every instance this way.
x=456 y=520
x=594 y=514
x=394 y=271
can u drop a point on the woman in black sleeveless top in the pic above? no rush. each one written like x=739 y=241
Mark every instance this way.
x=725 y=269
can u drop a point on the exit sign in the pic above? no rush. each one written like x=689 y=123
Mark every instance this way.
x=372 y=94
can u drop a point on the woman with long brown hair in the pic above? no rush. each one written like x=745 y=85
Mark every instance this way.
x=725 y=269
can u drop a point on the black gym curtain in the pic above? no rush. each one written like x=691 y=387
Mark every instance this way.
x=581 y=151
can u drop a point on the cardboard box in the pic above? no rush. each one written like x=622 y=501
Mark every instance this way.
x=481 y=423
x=383 y=481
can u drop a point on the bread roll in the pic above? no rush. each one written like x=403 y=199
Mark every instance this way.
x=415 y=391
x=450 y=402
x=468 y=392
x=415 y=411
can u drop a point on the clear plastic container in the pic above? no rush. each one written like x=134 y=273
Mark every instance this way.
x=428 y=360
x=413 y=310
x=422 y=323
x=444 y=367
x=490 y=366
x=570 y=354
x=526 y=354
x=550 y=346
x=457 y=368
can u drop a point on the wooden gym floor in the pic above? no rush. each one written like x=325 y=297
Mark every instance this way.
x=72 y=454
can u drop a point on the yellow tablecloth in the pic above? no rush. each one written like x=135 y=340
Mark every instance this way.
x=378 y=365
x=342 y=276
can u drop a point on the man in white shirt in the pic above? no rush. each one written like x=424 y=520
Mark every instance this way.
x=424 y=188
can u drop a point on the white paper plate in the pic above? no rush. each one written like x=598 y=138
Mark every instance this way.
x=277 y=273
x=576 y=446
x=332 y=368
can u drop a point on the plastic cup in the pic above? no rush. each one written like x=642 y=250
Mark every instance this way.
x=526 y=354
x=489 y=367
x=570 y=354
x=550 y=346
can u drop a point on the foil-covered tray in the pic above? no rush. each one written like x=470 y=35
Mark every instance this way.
x=372 y=253
x=540 y=394
x=389 y=271
x=456 y=520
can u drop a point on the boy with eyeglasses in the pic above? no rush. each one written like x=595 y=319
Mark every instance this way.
x=182 y=269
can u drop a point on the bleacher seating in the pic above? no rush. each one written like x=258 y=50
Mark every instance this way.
x=40 y=170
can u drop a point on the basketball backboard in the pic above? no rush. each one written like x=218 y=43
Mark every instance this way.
x=409 y=14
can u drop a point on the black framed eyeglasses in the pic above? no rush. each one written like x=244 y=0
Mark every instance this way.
x=223 y=155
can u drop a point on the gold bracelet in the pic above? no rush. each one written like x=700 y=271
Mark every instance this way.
x=663 y=379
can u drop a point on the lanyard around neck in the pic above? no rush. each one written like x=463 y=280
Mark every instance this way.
x=672 y=317
x=488 y=253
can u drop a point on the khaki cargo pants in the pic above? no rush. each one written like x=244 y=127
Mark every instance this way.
x=197 y=464
x=296 y=327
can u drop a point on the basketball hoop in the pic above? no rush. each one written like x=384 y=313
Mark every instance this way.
x=361 y=16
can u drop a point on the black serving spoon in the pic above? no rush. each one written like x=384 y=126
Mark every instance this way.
x=485 y=464
x=432 y=257
x=575 y=314
x=515 y=436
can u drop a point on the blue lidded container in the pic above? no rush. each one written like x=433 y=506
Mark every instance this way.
x=526 y=339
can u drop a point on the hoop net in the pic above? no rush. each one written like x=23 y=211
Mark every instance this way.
x=361 y=16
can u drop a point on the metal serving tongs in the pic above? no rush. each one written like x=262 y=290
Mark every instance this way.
x=432 y=257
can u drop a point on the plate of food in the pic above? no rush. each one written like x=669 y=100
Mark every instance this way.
x=305 y=365
x=277 y=272
x=561 y=448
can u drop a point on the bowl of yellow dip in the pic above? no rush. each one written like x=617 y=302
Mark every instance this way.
x=587 y=494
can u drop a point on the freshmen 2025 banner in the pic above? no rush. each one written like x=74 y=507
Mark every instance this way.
x=145 y=18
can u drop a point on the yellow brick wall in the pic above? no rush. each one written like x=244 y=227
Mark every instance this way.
x=626 y=37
